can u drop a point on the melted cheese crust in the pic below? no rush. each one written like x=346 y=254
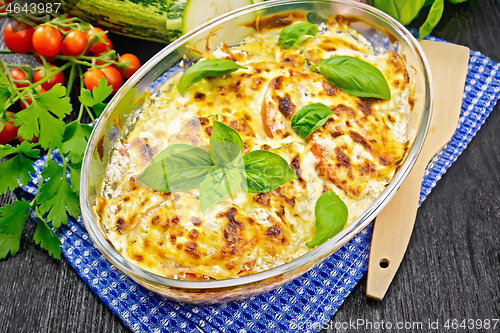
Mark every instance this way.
x=355 y=154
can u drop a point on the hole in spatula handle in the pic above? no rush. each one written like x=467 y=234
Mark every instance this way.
x=384 y=263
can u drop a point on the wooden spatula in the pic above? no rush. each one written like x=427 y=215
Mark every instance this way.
x=394 y=225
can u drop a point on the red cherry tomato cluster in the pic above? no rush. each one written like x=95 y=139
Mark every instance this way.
x=114 y=77
x=61 y=39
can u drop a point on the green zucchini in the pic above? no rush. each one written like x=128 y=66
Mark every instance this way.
x=157 y=20
x=174 y=18
x=134 y=18
x=197 y=12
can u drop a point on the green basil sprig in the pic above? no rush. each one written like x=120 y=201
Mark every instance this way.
x=406 y=11
x=217 y=173
x=205 y=68
x=331 y=216
x=310 y=118
x=354 y=76
x=432 y=19
x=291 y=34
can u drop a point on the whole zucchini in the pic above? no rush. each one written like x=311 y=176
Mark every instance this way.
x=145 y=19
x=157 y=20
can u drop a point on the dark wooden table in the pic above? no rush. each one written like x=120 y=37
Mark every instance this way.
x=451 y=269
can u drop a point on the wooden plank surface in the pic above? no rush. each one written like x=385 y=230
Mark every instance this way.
x=451 y=269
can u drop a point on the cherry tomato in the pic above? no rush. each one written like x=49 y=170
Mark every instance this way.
x=47 y=41
x=27 y=101
x=18 y=37
x=75 y=41
x=65 y=51
x=113 y=76
x=18 y=75
x=99 y=47
x=9 y=131
x=58 y=78
x=132 y=61
x=92 y=78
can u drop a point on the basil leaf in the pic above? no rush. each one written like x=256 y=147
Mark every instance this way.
x=310 y=118
x=331 y=216
x=315 y=18
x=432 y=19
x=218 y=186
x=226 y=145
x=205 y=68
x=402 y=10
x=291 y=34
x=179 y=167
x=354 y=76
x=266 y=171
x=456 y=1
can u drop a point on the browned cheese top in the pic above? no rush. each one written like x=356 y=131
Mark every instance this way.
x=355 y=153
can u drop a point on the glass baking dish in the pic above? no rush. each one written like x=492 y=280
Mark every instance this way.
x=382 y=31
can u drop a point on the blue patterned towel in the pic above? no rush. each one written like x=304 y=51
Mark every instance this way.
x=303 y=305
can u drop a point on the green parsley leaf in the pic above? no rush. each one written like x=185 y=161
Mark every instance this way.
x=310 y=118
x=75 y=140
x=27 y=149
x=4 y=81
x=331 y=216
x=47 y=239
x=75 y=171
x=6 y=91
x=218 y=186
x=18 y=166
x=266 y=171
x=6 y=150
x=205 y=68
x=354 y=76
x=96 y=97
x=179 y=167
x=292 y=34
x=12 y=219
x=56 y=196
x=35 y=120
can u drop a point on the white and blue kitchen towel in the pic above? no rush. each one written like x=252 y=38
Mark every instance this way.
x=304 y=304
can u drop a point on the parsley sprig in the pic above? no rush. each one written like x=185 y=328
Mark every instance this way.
x=57 y=196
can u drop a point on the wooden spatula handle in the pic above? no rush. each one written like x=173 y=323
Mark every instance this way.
x=391 y=238
x=394 y=225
